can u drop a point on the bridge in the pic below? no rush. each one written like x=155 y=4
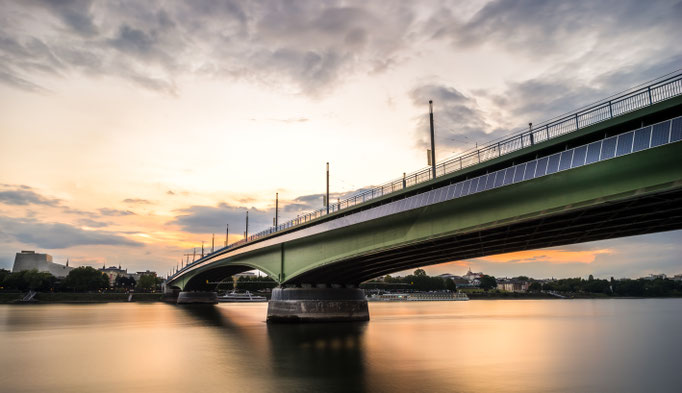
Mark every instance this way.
x=609 y=170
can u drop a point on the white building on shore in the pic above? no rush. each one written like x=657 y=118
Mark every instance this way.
x=30 y=260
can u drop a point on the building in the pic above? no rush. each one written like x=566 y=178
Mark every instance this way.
x=471 y=276
x=656 y=277
x=30 y=260
x=513 y=285
x=136 y=276
x=112 y=272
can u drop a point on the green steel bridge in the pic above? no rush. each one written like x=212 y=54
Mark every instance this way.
x=611 y=170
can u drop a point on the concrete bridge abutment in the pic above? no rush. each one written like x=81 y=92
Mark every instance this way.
x=196 y=297
x=317 y=305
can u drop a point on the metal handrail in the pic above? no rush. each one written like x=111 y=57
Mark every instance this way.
x=601 y=111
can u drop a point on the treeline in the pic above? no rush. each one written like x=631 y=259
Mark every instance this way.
x=81 y=279
x=641 y=287
x=420 y=281
x=247 y=283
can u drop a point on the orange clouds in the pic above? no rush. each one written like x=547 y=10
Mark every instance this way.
x=556 y=256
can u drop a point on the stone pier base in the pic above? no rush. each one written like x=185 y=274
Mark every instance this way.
x=197 y=298
x=317 y=305
x=170 y=295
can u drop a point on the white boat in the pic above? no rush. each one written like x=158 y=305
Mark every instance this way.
x=246 y=297
x=419 y=297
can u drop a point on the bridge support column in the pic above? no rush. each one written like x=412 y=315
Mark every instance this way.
x=170 y=295
x=197 y=298
x=317 y=305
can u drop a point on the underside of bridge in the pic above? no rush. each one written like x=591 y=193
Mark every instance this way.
x=633 y=216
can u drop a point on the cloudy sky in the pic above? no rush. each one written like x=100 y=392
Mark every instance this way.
x=131 y=131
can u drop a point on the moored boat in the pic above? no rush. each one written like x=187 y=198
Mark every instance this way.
x=246 y=297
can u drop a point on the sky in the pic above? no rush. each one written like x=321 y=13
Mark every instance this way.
x=132 y=131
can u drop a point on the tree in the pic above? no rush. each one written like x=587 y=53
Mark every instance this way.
x=124 y=282
x=29 y=279
x=450 y=284
x=535 y=286
x=487 y=282
x=86 y=278
x=3 y=276
x=420 y=273
x=147 y=282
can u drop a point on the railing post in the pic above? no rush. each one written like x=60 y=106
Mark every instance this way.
x=460 y=162
x=498 y=149
x=610 y=110
x=651 y=101
x=577 y=126
x=547 y=131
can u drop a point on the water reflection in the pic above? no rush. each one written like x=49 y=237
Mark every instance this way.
x=479 y=346
x=331 y=354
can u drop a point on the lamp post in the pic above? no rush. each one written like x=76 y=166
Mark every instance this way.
x=433 y=143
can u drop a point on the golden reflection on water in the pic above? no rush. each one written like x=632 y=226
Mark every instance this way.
x=476 y=346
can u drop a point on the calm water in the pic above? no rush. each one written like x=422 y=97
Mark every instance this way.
x=475 y=346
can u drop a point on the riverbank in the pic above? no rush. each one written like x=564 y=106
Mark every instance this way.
x=74 y=297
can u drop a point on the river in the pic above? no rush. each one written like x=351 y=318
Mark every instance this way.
x=615 y=345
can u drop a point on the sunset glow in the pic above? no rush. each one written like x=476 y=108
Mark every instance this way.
x=130 y=137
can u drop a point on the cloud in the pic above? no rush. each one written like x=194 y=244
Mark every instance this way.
x=459 y=120
x=556 y=256
x=58 y=235
x=307 y=45
x=75 y=14
x=542 y=28
x=86 y=222
x=24 y=195
x=115 y=212
x=308 y=203
x=136 y=201
x=212 y=219
x=550 y=95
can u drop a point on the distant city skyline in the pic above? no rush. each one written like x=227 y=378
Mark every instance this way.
x=132 y=132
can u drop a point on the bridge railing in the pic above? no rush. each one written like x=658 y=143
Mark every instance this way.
x=604 y=110
x=601 y=111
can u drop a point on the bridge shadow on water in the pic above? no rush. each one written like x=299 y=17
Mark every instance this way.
x=330 y=356
x=314 y=357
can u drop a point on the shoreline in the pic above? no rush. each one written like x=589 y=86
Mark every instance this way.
x=94 y=298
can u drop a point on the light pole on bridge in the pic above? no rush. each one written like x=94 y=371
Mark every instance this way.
x=433 y=143
x=246 y=232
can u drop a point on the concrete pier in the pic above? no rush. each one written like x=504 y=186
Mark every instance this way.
x=317 y=305
x=197 y=298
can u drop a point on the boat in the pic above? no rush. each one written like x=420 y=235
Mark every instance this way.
x=419 y=297
x=246 y=297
